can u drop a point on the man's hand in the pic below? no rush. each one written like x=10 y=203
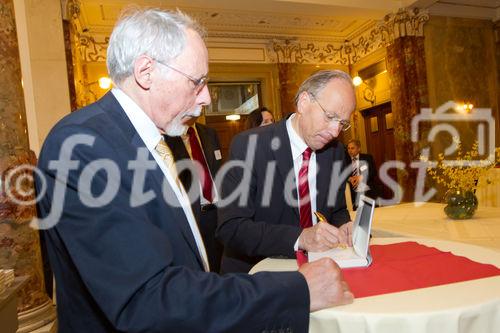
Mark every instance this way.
x=327 y=287
x=321 y=237
x=346 y=229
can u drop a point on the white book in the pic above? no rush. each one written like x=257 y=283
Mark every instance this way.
x=359 y=254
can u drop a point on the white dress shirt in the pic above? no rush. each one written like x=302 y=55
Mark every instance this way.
x=298 y=147
x=150 y=134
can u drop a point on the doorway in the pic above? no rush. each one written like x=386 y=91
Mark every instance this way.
x=379 y=131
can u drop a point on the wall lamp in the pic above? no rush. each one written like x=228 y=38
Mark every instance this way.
x=368 y=92
x=233 y=117
x=464 y=108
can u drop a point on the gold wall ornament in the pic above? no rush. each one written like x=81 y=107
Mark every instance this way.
x=92 y=50
x=307 y=52
x=406 y=22
x=379 y=34
x=336 y=51
x=70 y=9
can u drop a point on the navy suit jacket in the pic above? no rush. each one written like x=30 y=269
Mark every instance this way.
x=209 y=144
x=370 y=174
x=254 y=229
x=135 y=267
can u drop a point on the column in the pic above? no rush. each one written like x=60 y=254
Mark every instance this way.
x=409 y=93
x=19 y=244
x=288 y=87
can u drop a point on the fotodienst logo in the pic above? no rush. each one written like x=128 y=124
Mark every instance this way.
x=446 y=118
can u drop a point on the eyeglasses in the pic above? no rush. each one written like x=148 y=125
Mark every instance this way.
x=344 y=124
x=199 y=84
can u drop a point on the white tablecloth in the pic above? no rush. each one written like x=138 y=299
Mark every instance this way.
x=468 y=307
x=429 y=221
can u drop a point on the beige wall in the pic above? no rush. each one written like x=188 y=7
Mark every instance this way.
x=461 y=66
x=43 y=64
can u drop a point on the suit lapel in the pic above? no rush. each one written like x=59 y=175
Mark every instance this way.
x=180 y=153
x=111 y=105
x=208 y=148
x=283 y=156
x=324 y=163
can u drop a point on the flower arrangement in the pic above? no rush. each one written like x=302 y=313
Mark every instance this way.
x=461 y=178
x=463 y=173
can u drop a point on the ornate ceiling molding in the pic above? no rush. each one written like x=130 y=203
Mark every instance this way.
x=406 y=22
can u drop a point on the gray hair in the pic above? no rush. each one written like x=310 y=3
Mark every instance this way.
x=157 y=33
x=317 y=82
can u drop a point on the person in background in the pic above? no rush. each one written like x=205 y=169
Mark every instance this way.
x=363 y=175
x=259 y=117
x=201 y=144
x=267 y=116
x=120 y=232
x=303 y=149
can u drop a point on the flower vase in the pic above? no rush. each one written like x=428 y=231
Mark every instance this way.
x=461 y=204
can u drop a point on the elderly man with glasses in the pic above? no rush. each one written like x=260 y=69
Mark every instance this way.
x=121 y=235
x=292 y=170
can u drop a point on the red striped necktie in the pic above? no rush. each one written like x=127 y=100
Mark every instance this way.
x=202 y=167
x=304 y=200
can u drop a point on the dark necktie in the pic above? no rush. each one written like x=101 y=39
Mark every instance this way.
x=202 y=167
x=355 y=171
x=304 y=200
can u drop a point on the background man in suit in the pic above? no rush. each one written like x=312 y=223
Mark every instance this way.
x=300 y=148
x=201 y=144
x=363 y=173
x=121 y=236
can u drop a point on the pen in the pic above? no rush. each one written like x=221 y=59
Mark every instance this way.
x=322 y=218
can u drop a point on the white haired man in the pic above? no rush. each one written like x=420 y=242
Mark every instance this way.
x=124 y=246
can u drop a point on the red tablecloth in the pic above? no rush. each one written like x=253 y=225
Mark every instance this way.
x=410 y=265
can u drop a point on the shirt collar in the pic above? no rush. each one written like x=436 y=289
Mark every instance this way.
x=297 y=144
x=144 y=126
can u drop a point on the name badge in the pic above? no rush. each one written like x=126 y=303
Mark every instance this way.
x=217 y=154
x=363 y=167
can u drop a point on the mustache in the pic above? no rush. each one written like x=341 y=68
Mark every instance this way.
x=194 y=113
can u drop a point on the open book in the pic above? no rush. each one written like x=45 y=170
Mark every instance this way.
x=359 y=254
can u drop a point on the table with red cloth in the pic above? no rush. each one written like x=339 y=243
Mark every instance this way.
x=415 y=285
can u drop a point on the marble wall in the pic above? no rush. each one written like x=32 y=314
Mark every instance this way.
x=19 y=244
x=13 y=128
x=406 y=67
x=462 y=66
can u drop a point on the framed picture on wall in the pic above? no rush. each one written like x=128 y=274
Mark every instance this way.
x=233 y=97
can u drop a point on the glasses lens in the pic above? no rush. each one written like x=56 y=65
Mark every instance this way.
x=200 y=84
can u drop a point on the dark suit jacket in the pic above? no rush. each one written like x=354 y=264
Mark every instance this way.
x=136 y=268
x=210 y=144
x=255 y=229
x=370 y=174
